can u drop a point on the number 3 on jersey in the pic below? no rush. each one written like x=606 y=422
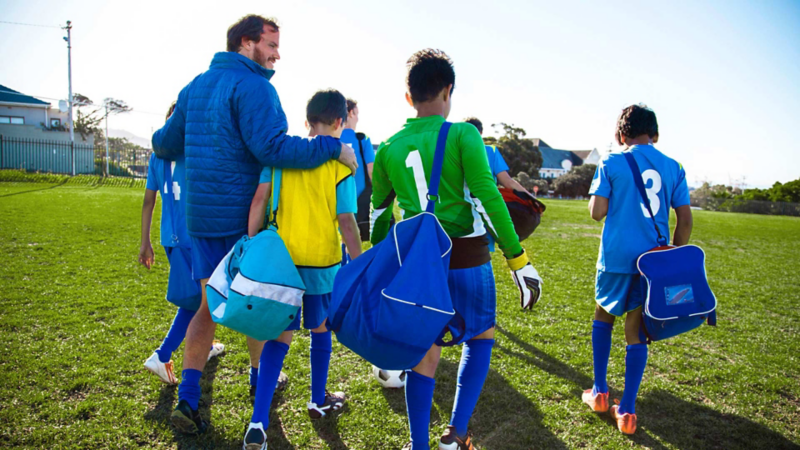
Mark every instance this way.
x=652 y=191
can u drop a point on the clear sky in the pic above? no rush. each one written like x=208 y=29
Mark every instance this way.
x=722 y=76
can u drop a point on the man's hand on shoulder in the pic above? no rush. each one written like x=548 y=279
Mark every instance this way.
x=348 y=158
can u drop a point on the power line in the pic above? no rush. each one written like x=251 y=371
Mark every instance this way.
x=30 y=24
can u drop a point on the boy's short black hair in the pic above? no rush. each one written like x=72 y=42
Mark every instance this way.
x=351 y=104
x=250 y=26
x=171 y=109
x=325 y=107
x=636 y=120
x=429 y=71
x=476 y=122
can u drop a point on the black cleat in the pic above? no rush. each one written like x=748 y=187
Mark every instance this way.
x=186 y=420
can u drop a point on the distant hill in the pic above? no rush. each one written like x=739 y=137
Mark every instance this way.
x=138 y=140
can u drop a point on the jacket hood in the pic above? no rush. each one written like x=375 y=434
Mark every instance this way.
x=235 y=61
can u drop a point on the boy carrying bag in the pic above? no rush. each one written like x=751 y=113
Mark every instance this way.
x=677 y=297
x=256 y=289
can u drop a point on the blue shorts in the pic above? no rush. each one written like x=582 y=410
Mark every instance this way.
x=208 y=252
x=618 y=293
x=182 y=290
x=314 y=311
x=474 y=300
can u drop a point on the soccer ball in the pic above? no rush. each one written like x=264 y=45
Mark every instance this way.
x=392 y=379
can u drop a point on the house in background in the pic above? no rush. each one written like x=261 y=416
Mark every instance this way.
x=23 y=116
x=557 y=162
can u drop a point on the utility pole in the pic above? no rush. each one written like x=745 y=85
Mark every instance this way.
x=69 y=68
x=106 y=105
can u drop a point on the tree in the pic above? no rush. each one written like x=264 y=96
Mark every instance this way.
x=528 y=183
x=90 y=115
x=576 y=182
x=520 y=153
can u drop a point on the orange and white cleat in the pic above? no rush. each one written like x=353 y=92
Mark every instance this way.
x=625 y=422
x=164 y=371
x=598 y=402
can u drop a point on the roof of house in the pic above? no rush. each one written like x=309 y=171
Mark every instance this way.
x=583 y=154
x=12 y=96
x=539 y=143
x=552 y=158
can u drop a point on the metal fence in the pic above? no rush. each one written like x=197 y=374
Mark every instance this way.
x=748 y=206
x=35 y=155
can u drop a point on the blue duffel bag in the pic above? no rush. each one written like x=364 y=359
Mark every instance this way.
x=256 y=289
x=392 y=303
x=677 y=297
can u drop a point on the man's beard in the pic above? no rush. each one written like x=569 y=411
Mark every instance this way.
x=259 y=57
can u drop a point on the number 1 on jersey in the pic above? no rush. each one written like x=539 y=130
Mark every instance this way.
x=414 y=162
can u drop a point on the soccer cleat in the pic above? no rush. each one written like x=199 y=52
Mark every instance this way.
x=451 y=441
x=408 y=446
x=186 y=420
x=217 y=348
x=625 y=422
x=598 y=402
x=333 y=402
x=164 y=371
x=255 y=438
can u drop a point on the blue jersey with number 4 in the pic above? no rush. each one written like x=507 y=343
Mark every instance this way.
x=628 y=231
x=169 y=179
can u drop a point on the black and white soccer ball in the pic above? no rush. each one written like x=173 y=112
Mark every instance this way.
x=392 y=379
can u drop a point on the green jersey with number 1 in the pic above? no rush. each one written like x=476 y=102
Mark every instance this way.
x=469 y=203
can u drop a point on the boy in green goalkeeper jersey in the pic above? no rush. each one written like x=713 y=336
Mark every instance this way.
x=469 y=206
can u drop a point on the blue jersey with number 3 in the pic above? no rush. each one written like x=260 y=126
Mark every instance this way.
x=628 y=231
x=169 y=179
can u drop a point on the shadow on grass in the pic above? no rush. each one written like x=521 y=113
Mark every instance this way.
x=327 y=429
x=503 y=418
x=34 y=190
x=673 y=420
x=687 y=424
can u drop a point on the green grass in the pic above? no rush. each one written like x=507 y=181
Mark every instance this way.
x=78 y=317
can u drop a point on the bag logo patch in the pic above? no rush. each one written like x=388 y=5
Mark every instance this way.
x=679 y=295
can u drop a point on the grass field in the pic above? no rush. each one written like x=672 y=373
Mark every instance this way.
x=78 y=317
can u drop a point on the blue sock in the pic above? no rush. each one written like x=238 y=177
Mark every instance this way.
x=253 y=376
x=419 y=400
x=269 y=369
x=189 y=389
x=475 y=358
x=601 y=350
x=320 y=361
x=635 y=360
x=175 y=334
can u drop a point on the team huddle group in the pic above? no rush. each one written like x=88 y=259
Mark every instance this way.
x=214 y=165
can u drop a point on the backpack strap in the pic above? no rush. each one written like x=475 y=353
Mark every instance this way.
x=637 y=179
x=436 y=171
x=272 y=217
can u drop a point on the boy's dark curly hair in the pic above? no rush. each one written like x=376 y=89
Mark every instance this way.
x=477 y=123
x=636 y=120
x=429 y=71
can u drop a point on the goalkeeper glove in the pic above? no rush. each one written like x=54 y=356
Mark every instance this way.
x=527 y=280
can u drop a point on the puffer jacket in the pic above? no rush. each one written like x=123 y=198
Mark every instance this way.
x=229 y=123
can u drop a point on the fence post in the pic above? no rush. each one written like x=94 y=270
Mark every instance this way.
x=2 y=152
x=72 y=152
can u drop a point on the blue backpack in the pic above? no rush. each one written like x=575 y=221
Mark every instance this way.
x=392 y=303
x=677 y=295
x=256 y=289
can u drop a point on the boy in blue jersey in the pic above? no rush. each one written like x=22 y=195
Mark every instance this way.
x=499 y=170
x=167 y=177
x=628 y=232
x=312 y=205
x=365 y=155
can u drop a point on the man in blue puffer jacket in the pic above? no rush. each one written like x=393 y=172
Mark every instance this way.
x=228 y=122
